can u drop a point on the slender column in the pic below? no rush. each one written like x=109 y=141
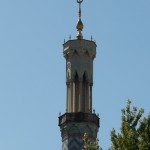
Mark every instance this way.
x=67 y=97
x=77 y=96
x=87 y=98
x=80 y=96
x=71 y=96
x=91 y=97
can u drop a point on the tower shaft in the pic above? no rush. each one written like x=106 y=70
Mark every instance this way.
x=78 y=119
x=79 y=56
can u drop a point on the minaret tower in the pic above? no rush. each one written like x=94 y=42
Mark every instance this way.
x=79 y=118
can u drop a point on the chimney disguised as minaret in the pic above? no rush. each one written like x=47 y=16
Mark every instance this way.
x=78 y=119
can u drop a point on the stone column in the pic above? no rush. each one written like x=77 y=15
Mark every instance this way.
x=71 y=96
x=87 y=98
x=67 y=97
x=80 y=96
x=91 y=97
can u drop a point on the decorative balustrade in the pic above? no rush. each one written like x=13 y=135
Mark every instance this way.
x=79 y=117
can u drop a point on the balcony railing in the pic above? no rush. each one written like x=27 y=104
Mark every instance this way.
x=79 y=117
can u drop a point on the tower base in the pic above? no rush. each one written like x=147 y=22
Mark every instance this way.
x=73 y=126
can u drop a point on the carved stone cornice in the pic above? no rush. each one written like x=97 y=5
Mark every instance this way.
x=81 y=47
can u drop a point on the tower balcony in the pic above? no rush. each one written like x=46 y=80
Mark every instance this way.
x=79 y=117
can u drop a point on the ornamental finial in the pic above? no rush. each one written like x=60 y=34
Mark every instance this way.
x=79 y=26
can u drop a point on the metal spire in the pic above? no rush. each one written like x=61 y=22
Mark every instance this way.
x=79 y=26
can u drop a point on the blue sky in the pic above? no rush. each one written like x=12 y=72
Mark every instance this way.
x=32 y=67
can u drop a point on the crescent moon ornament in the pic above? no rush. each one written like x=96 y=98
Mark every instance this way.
x=79 y=1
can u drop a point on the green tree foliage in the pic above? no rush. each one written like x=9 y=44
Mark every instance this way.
x=134 y=132
x=88 y=145
x=144 y=134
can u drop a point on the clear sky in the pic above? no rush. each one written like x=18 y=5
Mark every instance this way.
x=32 y=67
